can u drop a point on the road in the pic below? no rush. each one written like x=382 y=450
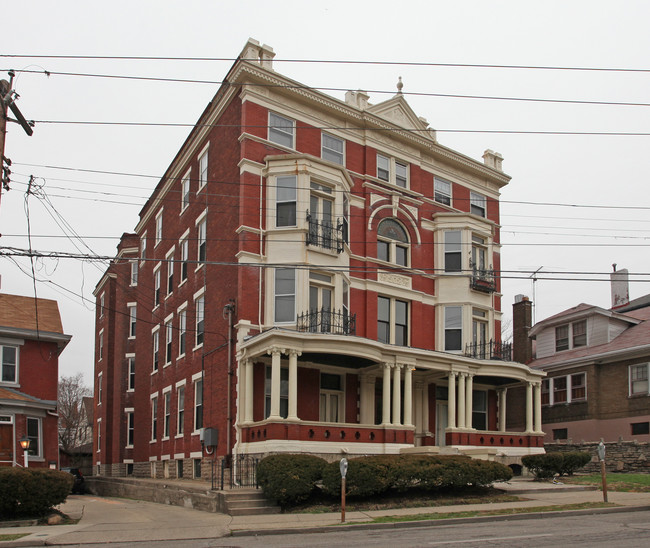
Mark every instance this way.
x=622 y=530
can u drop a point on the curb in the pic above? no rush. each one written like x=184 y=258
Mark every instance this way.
x=438 y=522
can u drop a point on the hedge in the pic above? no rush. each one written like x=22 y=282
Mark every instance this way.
x=289 y=479
x=25 y=492
x=547 y=465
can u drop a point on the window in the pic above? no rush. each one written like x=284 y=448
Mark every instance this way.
x=100 y=383
x=480 y=331
x=197 y=468
x=321 y=289
x=203 y=169
x=559 y=389
x=392 y=242
x=131 y=372
x=560 y=434
x=564 y=389
x=159 y=227
x=101 y=305
x=442 y=191
x=392 y=321
x=34 y=435
x=156 y=290
x=132 y=319
x=184 y=245
x=453 y=328
x=201 y=231
x=143 y=246
x=285 y=294
x=639 y=379
x=130 y=428
x=640 y=428
x=134 y=273
x=101 y=345
x=284 y=392
x=170 y=272
x=392 y=171
x=185 y=192
x=99 y=438
x=479 y=254
x=285 y=214
x=546 y=389
x=168 y=412
x=571 y=335
x=154 y=418
x=578 y=386
x=198 y=404
x=579 y=333
x=9 y=364
x=561 y=338
x=331 y=398
x=180 y=423
x=321 y=225
x=332 y=148
x=169 y=333
x=453 y=255
x=200 y=318
x=479 y=410
x=156 y=349
x=281 y=130
x=179 y=468
x=477 y=204
x=182 y=331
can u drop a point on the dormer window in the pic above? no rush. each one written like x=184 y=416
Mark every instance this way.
x=571 y=335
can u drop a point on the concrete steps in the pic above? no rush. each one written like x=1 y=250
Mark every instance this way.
x=248 y=502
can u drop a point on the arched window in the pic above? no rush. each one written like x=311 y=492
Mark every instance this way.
x=392 y=242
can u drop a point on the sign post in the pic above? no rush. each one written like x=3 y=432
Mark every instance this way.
x=344 y=470
x=601 y=456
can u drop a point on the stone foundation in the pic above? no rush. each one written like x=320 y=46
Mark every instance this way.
x=621 y=456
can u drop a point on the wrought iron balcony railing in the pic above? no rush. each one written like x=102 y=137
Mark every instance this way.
x=324 y=234
x=483 y=279
x=326 y=320
x=492 y=350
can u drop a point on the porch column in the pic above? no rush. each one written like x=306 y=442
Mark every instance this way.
x=502 y=408
x=529 y=406
x=293 y=384
x=461 y=400
x=469 y=400
x=397 y=394
x=367 y=399
x=537 y=411
x=276 y=356
x=451 y=401
x=248 y=391
x=408 y=395
x=425 y=407
x=385 y=401
x=419 y=407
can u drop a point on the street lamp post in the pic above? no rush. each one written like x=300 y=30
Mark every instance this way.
x=24 y=443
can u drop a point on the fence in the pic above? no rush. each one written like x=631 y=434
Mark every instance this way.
x=234 y=472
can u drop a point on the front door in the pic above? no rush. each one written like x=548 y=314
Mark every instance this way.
x=441 y=423
x=6 y=445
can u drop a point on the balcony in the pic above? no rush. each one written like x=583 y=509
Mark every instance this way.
x=326 y=320
x=324 y=234
x=483 y=279
x=492 y=350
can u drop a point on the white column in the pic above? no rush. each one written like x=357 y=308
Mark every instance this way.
x=293 y=384
x=529 y=406
x=469 y=402
x=385 y=402
x=418 y=399
x=537 y=411
x=461 y=400
x=451 y=401
x=425 y=407
x=408 y=395
x=367 y=399
x=502 y=409
x=276 y=356
x=248 y=391
x=397 y=395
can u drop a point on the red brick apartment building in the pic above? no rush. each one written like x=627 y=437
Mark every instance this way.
x=310 y=275
x=31 y=340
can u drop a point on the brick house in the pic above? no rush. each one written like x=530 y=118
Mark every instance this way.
x=310 y=275
x=597 y=363
x=31 y=340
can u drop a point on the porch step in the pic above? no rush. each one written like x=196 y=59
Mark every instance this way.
x=248 y=502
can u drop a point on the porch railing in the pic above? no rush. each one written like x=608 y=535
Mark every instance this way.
x=492 y=350
x=324 y=234
x=231 y=473
x=327 y=320
x=483 y=279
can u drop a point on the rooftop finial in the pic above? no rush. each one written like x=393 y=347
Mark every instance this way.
x=400 y=85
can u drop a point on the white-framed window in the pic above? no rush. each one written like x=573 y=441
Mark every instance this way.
x=132 y=319
x=203 y=169
x=182 y=331
x=156 y=347
x=101 y=304
x=332 y=149
x=159 y=227
x=35 y=435
x=185 y=257
x=332 y=398
x=453 y=251
x=479 y=254
x=99 y=434
x=392 y=242
x=477 y=204
x=101 y=344
x=284 y=392
x=200 y=320
x=185 y=191
x=564 y=389
x=285 y=295
x=180 y=415
x=285 y=200
x=392 y=321
x=442 y=191
x=571 y=335
x=130 y=372
x=169 y=334
x=198 y=404
x=281 y=130
x=154 y=418
x=480 y=331
x=134 y=273
x=201 y=235
x=100 y=388
x=321 y=301
x=453 y=328
x=321 y=213
x=169 y=259
x=143 y=246
x=168 y=413
x=156 y=287
x=479 y=410
x=10 y=362
x=638 y=374
x=392 y=171
x=130 y=427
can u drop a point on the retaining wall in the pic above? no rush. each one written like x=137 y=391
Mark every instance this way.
x=621 y=456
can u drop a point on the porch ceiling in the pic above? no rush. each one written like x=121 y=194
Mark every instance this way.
x=340 y=360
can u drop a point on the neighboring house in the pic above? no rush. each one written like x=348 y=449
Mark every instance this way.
x=80 y=454
x=597 y=362
x=31 y=339
x=356 y=260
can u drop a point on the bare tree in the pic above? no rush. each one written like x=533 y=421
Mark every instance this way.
x=73 y=416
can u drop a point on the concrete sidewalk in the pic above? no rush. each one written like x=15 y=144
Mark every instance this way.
x=106 y=519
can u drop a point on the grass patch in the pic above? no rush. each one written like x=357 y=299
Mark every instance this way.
x=480 y=513
x=14 y=536
x=633 y=483
x=412 y=499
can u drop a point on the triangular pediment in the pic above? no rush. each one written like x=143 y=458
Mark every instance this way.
x=398 y=111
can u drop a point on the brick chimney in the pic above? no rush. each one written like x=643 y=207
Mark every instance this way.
x=522 y=317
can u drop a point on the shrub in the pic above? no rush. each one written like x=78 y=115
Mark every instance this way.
x=545 y=465
x=289 y=479
x=32 y=492
x=366 y=477
x=574 y=460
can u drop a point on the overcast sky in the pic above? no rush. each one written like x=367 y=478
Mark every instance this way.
x=575 y=205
